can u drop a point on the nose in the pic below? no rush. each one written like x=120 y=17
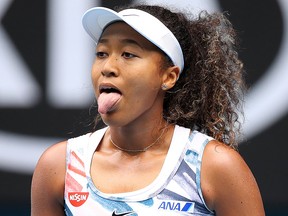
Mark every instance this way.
x=110 y=67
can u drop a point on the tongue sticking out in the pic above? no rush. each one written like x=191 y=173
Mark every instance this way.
x=106 y=101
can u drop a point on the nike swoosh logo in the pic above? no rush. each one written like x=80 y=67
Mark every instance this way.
x=126 y=213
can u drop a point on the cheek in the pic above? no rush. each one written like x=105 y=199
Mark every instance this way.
x=144 y=90
x=147 y=83
x=95 y=74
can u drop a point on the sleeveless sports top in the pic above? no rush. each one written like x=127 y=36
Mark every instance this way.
x=175 y=191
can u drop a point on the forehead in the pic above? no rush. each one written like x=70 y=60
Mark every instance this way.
x=122 y=31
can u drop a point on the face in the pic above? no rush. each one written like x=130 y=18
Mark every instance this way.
x=127 y=75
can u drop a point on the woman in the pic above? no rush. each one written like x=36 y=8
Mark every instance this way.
x=168 y=89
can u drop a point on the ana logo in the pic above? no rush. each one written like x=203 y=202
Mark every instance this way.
x=78 y=198
x=177 y=206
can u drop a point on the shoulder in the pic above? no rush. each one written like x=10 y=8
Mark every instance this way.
x=48 y=179
x=53 y=156
x=221 y=166
x=221 y=155
x=226 y=178
x=52 y=163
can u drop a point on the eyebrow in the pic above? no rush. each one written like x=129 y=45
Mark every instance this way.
x=124 y=41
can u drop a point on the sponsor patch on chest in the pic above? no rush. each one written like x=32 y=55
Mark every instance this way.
x=77 y=198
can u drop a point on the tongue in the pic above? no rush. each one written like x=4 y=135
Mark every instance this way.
x=106 y=101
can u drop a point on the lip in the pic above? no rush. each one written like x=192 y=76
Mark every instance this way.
x=108 y=87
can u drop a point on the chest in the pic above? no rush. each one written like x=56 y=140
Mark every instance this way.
x=121 y=174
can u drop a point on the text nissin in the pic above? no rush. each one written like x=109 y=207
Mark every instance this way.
x=78 y=198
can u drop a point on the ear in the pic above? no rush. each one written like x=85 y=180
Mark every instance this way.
x=170 y=76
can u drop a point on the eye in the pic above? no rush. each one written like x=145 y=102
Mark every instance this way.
x=128 y=55
x=101 y=54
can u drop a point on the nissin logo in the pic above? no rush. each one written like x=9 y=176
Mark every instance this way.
x=177 y=206
x=78 y=198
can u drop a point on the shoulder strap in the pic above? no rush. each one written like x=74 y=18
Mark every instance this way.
x=198 y=142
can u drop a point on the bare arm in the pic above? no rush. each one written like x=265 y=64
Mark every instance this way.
x=229 y=186
x=47 y=191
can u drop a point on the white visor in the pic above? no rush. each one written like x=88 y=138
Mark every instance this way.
x=96 y=19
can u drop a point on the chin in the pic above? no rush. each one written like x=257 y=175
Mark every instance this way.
x=111 y=120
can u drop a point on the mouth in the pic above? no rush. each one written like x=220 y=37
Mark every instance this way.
x=108 y=89
x=108 y=98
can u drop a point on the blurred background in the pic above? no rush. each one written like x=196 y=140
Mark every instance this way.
x=46 y=92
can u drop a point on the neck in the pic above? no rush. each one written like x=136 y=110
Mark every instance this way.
x=138 y=140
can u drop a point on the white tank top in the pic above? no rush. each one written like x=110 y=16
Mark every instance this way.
x=175 y=191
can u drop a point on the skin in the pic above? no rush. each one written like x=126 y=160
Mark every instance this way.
x=127 y=61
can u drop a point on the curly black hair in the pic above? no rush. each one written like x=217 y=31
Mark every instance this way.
x=210 y=91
